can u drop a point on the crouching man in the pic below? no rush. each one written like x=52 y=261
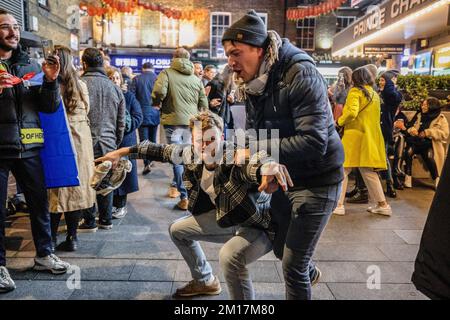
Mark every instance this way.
x=229 y=203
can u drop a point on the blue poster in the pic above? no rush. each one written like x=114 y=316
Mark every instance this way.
x=58 y=155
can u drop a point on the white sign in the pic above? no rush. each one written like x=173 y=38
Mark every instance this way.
x=74 y=41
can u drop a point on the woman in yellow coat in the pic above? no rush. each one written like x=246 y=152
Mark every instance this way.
x=363 y=141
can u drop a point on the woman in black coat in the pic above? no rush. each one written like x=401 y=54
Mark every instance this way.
x=432 y=268
x=391 y=99
x=220 y=93
x=134 y=119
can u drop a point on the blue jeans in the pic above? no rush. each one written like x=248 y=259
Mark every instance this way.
x=311 y=209
x=178 y=135
x=242 y=246
x=30 y=175
x=148 y=133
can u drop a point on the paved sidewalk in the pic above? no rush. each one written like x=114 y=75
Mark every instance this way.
x=137 y=259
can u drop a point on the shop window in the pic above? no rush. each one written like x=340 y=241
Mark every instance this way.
x=170 y=32
x=305 y=33
x=343 y=22
x=220 y=21
x=131 y=30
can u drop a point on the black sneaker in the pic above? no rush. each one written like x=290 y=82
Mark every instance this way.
x=11 y=209
x=105 y=225
x=19 y=204
x=146 y=170
x=86 y=228
x=360 y=197
x=70 y=245
x=352 y=193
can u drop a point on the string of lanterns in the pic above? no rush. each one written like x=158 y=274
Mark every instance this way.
x=313 y=11
x=131 y=6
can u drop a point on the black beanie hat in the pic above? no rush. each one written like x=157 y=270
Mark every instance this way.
x=250 y=29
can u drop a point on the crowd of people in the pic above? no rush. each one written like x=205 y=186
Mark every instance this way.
x=380 y=141
x=252 y=203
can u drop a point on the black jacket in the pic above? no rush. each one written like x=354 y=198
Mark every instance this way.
x=218 y=92
x=296 y=103
x=391 y=100
x=432 y=267
x=19 y=107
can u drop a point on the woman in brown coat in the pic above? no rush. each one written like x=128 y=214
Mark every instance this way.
x=73 y=200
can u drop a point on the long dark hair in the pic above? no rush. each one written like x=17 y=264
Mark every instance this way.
x=69 y=79
x=362 y=77
x=347 y=76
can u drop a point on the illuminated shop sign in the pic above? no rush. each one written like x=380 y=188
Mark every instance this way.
x=159 y=61
x=442 y=58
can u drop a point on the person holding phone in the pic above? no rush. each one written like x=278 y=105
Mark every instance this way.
x=221 y=91
x=21 y=138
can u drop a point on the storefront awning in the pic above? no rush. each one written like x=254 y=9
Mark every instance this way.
x=393 y=22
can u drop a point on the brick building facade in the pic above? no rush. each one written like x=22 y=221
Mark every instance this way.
x=45 y=19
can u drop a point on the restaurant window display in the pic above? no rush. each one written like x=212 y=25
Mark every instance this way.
x=422 y=63
x=442 y=61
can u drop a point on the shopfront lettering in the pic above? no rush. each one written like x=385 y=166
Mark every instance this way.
x=378 y=17
x=374 y=21
x=158 y=61
x=400 y=7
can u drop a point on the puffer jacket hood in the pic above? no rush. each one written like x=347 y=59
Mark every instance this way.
x=182 y=65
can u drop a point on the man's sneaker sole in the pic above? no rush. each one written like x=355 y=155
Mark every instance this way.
x=6 y=290
x=43 y=268
x=209 y=293
x=105 y=227
x=87 y=230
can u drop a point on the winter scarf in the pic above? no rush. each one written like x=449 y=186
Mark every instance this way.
x=257 y=86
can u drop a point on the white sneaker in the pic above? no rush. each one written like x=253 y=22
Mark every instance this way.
x=340 y=210
x=120 y=213
x=408 y=181
x=51 y=263
x=6 y=282
x=385 y=211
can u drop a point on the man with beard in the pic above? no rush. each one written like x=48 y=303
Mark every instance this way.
x=21 y=138
x=284 y=91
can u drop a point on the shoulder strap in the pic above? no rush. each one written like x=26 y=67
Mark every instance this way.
x=370 y=101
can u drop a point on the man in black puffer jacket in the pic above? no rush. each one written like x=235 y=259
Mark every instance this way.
x=284 y=91
x=21 y=138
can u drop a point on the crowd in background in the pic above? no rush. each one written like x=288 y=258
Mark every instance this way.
x=380 y=141
x=110 y=109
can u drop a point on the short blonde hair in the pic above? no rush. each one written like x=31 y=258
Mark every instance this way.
x=208 y=120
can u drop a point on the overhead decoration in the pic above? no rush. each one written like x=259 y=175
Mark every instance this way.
x=132 y=6
x=313 y=11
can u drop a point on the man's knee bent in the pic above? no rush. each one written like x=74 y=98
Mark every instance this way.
x=229 y=261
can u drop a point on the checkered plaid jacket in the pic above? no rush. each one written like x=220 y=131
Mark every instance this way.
x=238 y=201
